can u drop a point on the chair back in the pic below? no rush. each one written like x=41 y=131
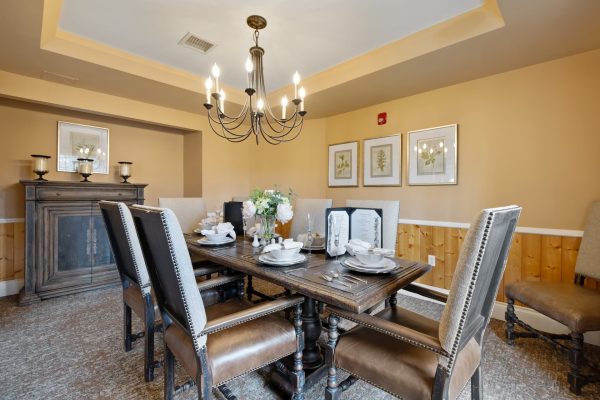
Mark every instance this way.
x=188 y=210
x=316 y=208
x=125 y=244
x=232 y=212
x=391 y=210
x=588 y=259
x=170 y=270
x=476 y=279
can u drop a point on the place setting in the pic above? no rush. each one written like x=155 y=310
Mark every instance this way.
x=367 y=259
x=220 y=234
x=285 y=253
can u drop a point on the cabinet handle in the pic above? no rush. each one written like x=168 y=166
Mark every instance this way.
x=88 y=245
x=94 y=241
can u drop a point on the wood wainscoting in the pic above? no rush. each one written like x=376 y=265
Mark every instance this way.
x=12 y=250
x=532 y=257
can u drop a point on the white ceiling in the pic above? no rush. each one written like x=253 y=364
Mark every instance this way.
x=308 y=36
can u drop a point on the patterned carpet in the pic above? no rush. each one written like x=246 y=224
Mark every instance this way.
x=71 y=348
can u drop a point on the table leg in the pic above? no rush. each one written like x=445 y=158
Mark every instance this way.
x=311 y=324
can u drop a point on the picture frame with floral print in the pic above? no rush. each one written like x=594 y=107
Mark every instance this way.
x=343 y=164
x=433 y=156
x=382 y=161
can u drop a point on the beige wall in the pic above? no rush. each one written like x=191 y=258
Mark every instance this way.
x=192 y=164
x=233 y=169
x=27 y=129
x=530 y=136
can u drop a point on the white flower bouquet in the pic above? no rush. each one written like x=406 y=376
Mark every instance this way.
x=270 y=204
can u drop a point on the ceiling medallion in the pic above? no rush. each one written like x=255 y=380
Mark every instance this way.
x=256 y=117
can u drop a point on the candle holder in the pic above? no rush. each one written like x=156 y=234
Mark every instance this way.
x=85 y=168
x=125 y=170
x=40 y=166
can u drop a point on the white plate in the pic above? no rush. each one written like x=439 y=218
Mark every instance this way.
x=270 y=260
x=385 y=266
x=314 y=248
x=198 y=230
x=206 y=242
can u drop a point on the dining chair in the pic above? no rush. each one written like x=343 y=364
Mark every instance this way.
x=232 y=213
x=218 y=343
x=391 y=210
x=414 y=357
x=571 y=304
x=316 y=208
x=137 y=295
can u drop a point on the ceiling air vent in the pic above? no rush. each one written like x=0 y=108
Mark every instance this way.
x=195 y=42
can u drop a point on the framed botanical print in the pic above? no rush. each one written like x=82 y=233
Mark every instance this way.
x=382 y=161
x=432 y=156
x=343 y=164
x=82 y=141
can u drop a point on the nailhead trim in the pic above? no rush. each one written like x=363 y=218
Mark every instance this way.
x=144 y=286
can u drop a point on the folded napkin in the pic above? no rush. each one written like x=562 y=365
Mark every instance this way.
x=223 y=227
x=287 y=244
x=360 y=246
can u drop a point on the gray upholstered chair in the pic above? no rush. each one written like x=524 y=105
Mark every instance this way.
x=136 y=282
x=390 y=209
x=188 y=210
x=572 y=305
x=415 y=357
x=218 y=343
x=316 y=208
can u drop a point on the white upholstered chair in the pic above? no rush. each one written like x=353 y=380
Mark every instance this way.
x=188 y=210
x=391 y=209
x=316 y=208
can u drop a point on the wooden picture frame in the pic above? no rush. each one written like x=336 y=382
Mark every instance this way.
x=433 y=156
x=343 y=164
x=382 y=161
x=82 y=141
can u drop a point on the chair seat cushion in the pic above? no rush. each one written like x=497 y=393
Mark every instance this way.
x=398 y=367
x=572 y=305
x=237 y=350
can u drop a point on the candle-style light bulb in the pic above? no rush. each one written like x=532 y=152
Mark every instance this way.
x=216 y=72
x=249 y=68
x=260 y=105
x=208 y=87
x=222 y=100
x=302 y=94
x=296 y=80
x=284 y=102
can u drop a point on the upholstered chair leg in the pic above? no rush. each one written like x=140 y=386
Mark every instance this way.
x=127 y=327
x=332 y=391
x=476 y=387
x=249 y=289
x=204 y=380
x=510 y=318
x=298 y=368
x=575 y=379
x=169 y=364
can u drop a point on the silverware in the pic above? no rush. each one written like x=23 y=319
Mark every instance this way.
x=347 y=276
x=330 y=279
x=336 y=275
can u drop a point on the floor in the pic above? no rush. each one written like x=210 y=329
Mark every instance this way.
x=71 y=348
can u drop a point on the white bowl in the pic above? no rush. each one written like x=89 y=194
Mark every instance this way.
x=284 y=254
x=216 y=237
x=369 y=258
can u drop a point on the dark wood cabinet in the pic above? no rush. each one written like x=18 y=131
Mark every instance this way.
x=66 y=245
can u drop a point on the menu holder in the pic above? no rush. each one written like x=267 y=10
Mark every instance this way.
x=354 y=223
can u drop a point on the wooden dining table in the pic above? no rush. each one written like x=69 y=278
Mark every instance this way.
x=306 y=279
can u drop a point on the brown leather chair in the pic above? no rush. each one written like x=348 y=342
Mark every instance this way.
x=217 y=343
x=414 y=357
x=136 y=282
x=570 y=304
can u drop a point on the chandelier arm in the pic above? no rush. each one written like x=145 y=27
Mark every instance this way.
x=289 y=130
x=228 y=133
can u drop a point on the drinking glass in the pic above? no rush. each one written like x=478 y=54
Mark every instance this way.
x=309 y=238
x=337 y=226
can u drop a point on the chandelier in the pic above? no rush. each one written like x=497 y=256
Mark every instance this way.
x=256 y=117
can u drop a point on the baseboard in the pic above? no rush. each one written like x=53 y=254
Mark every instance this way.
x=527 y=315
x=8 y=288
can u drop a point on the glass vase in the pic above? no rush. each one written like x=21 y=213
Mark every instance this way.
x=267 y=227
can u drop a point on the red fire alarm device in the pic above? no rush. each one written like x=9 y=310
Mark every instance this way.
x=381 y=118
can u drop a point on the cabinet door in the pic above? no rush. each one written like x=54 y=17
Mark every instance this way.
x=104 y=268
x=63 y=249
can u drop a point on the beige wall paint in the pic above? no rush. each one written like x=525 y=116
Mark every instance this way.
x=192 y=164
x=27 y=128
x=233 y=169
x=530 y=136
